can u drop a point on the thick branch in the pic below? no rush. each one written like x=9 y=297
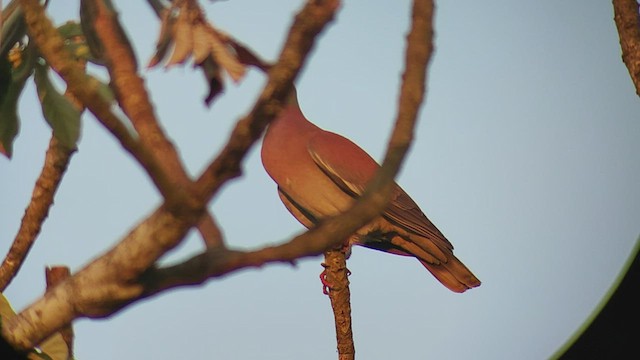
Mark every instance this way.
x=56 y=275
x=85 y=89
x=331 y=232
x=628 y=23
x=100 y=289
x=55 y=164
x=134 y=99
x=109 y=283
x=131 y=93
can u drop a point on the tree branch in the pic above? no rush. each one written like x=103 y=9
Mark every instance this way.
x=125 y=274
x=108 y=283
x=56 y=275
x=55 y=164
x=332 y=231
x=134 y=99
x=51 y=46
x=335 y=264
x=308 y=23
x=627 y=21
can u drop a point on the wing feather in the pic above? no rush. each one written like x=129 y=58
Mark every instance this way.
x=351 y=169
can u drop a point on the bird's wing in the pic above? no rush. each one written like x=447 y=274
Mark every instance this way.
x=403 y=211
x=351 y=168
x=348 y=166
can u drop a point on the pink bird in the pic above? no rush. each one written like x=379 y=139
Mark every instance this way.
x=320 y=173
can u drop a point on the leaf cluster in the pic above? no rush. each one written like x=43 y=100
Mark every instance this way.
x=19 y=61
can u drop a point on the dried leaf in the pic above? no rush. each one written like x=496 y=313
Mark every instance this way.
x=248 y=57
x=183 y=38
x=165 y=40
x=213 y=75
x=223 y=55
x=201 y=45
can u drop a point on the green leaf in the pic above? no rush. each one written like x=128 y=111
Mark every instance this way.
x=75 y=41
x=70 y=29
x=103 y=89
x=59 y=112
x=5 y=76
x=9 y=120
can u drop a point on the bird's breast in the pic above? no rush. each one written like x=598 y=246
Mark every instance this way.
x=286 y=159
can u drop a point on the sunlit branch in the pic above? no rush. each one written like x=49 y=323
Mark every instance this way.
x=627 y=21
x=55 y=164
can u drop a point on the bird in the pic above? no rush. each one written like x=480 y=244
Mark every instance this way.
x=321 y=174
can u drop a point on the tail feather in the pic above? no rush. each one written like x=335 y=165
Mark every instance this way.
x=453 y=274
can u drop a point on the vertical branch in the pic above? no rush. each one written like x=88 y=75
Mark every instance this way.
x=627 y=21
x=55 y=164
x=337 y=274
x=412 y=90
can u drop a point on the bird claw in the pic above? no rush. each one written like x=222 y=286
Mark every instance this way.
x=323 y=279
x=326 y=287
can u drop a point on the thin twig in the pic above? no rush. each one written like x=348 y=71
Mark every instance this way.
x=627 y=21
x=337 y=275
x=55 y=164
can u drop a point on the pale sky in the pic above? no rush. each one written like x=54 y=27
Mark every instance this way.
x=526 y=157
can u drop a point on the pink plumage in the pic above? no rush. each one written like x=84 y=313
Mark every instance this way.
x=320 y=173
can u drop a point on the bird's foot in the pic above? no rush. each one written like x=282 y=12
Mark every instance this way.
x=326 y=286
x=323 y=279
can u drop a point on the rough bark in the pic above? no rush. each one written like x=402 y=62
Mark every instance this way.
x=55 y=164
x=336 y=276
x=627 y=21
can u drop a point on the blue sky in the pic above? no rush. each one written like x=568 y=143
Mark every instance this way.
x=526 y=157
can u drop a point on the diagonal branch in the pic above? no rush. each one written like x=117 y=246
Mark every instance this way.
x=54 y=276
x=55 y=164
x=329 y=233
x=308 y=23
x=114 y=280
x=134 y=99
x=109 y=283
x=86 y=89
x=627 y=21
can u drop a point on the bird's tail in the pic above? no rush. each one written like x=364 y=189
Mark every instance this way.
x=453 y=274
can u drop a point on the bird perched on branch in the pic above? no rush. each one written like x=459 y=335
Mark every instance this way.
x=320 y=173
